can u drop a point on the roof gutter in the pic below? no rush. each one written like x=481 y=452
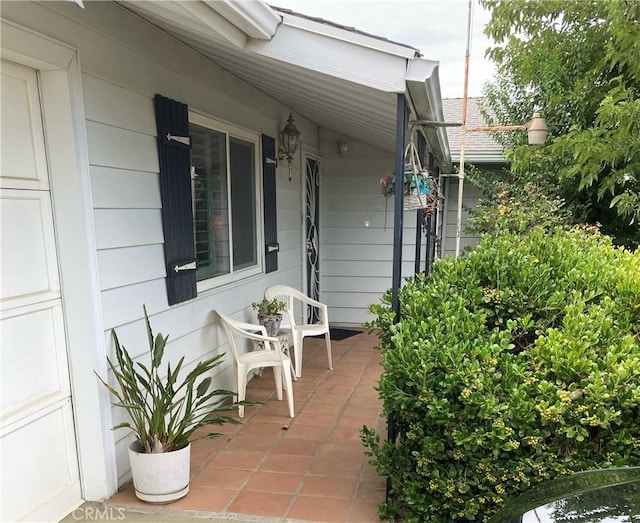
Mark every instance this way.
x=425 y=102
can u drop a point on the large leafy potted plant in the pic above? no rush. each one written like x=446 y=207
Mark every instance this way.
x=164 y=410
x=270 y=314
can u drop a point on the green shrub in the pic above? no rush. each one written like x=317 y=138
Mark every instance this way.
x=517 y=208
x=509 y=367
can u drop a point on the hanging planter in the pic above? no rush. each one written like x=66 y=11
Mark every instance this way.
x=419 y=185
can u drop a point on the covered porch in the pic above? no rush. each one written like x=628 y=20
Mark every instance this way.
x=239 y=69
x=308 y=468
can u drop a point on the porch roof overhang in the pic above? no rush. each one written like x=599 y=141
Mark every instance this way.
x=339 y=78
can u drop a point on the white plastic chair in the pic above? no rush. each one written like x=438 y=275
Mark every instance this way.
x=299 y=330
x=267 y=354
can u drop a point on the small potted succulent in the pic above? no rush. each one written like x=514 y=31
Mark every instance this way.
x=270 y=314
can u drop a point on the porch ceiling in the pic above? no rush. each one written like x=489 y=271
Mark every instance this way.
x=339 y=78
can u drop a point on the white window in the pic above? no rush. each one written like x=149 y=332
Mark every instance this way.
x=226 y=202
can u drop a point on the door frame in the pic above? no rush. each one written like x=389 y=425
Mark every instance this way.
x=60 y=84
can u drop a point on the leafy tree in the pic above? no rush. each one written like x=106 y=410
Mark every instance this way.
x=578 y=61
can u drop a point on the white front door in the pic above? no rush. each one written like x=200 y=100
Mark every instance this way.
x=40 y=478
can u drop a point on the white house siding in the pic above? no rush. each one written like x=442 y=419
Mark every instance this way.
x=125 y=62
x=357 y=261
x=471 y=195
x=289 y=216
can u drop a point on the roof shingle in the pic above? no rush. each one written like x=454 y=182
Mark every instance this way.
x=480 y=147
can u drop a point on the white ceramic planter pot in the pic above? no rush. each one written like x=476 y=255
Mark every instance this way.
x=271 y=322
x=160 y=478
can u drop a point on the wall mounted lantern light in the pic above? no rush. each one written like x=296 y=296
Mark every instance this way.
x=289 y=140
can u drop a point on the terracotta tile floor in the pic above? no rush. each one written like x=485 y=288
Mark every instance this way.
x=308 y=468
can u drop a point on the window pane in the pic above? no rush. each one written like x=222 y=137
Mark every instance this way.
x=243 y=203
x=210 y=207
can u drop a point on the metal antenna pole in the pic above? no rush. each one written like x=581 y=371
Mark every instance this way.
x=463 y=134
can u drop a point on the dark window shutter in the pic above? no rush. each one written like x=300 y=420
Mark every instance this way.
x=269 y=163
x=172 y=119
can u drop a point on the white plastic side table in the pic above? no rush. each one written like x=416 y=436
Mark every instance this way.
x=283 y=339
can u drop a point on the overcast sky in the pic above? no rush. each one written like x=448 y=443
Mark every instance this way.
x=438 y=28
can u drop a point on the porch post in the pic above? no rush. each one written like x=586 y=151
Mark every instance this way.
x=398 y=213
x=422 y=146
x=396 y=280
x=418 y=258
x=430 y=222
